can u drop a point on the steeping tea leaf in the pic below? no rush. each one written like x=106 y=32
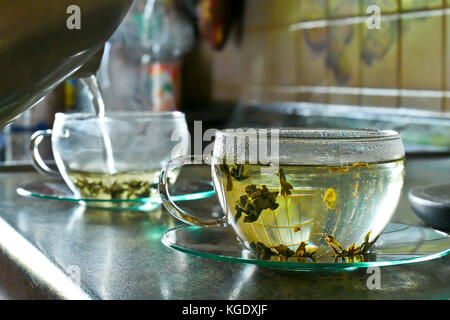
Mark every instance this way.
x=361 y=164
x=281 y=251
x=343 y=169
x=352 y=250
x=303 y=252
x=224 y=168
x=262 y=252
x=238 y=171
x=285 y=187
x=307 y=213
x=330 y=198
x=334 y=244
x=125 y=186
x=256 y=200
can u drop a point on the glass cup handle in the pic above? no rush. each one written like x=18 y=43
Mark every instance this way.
x=177 y=212
x=37 y=161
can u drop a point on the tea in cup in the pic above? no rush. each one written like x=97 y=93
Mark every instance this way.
x=118 y=156
x=318 y=191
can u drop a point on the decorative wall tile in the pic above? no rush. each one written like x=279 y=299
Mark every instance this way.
x=311 y=54
x=422 y=53
x=379 y=62
x=422 y=59
x=281 y=57
x=311 y=96
x=343 y=60
x=386 y=101
x=408 y=5
x=345 y=99
x=313 y=9
x=343 y=8
x=447 y=104
x=423 y=103
x=386 y=6
x=337 y=63
x=284 y=12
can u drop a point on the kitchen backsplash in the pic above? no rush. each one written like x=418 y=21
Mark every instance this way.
x=324 y=51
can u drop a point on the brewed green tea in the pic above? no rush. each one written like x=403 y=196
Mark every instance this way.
x=309 y=207
x=123 y=186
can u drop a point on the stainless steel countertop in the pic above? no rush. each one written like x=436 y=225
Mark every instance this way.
x=119 y=255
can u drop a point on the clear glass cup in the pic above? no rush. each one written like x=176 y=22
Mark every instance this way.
x=324 y=190
x=118 y=156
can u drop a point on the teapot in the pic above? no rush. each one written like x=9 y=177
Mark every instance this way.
x=44 y=42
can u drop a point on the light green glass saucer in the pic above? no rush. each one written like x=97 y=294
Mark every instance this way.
x=186 y=190
x=399 y=244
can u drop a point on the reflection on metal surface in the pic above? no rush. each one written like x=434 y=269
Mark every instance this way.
x=142 y=268
x=29 y=256
x=245 y=275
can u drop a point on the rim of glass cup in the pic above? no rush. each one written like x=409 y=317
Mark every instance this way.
x=120 y=115
x=290 y=134
x=307 y=146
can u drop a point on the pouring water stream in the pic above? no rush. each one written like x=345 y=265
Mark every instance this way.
x=95 y=96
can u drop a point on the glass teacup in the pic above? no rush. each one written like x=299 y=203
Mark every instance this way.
x=302 y=192
x=118 y=156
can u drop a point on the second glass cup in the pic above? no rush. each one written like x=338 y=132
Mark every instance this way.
x=313 y=191
x=118 y=156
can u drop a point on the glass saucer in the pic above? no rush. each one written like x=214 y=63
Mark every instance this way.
x=399 y=244
x=58 y=190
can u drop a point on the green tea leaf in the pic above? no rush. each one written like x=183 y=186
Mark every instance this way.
x=353 y=250
x=282 y=252
x=239 y=171
x=285 y=187
x=256 y=200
